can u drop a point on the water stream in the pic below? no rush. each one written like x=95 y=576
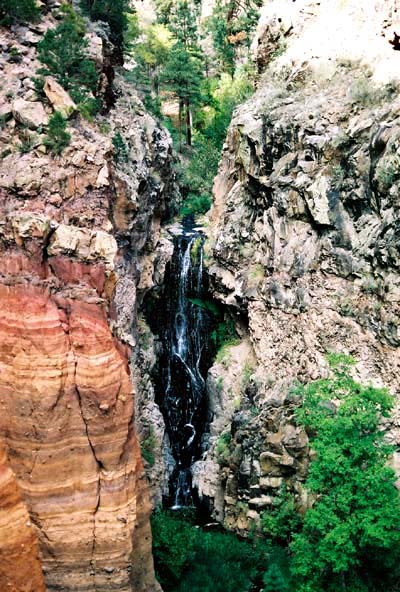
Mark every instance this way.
x=184 y=335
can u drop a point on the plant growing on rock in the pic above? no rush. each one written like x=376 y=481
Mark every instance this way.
x=62 y=52
x=222 y=448
x=57 y=136
x=18 y=11
x=282 y=521
x=351 y=535
x=121 y=151
x=148 y=445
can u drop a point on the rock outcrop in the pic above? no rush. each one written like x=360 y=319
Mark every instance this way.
x=75 y=233
x=304 y=237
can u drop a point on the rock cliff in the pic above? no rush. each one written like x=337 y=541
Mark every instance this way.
x=304 y=241
x=76 y=233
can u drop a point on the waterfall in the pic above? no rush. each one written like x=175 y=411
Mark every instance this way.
x=183 y=336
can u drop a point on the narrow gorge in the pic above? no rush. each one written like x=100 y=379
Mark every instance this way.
x=199 y=296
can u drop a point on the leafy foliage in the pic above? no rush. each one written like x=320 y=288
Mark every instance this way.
x=57 y=136
x=189 y=559
x=224 y=334
x=222 y=448
x=62 y=52
x=148 y=445
x=274 y=580
x=282 y=521
x=18 y=11
x=351 y=535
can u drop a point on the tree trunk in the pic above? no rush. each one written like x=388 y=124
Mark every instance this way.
x=188 y=123
x=180 y=124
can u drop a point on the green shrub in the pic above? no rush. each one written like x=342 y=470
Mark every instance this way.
x=18 y=11
x=173 y=547
x=222 y=448
x=148 y=445
x=282 y=521
x=351 y=535
x=188 y=559
x=27 y=143
x=224 y=335
x=62 y=51
x=121 y=151
x=57 y=136
x=274 y=580
x=197 y=176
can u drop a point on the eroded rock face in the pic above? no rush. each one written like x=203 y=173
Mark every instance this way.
x=75 y=234
x=303 y=233
x=20 y=566
x=67 y=418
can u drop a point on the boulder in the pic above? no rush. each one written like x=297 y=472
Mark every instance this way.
x=29 y=113
x=58 y=97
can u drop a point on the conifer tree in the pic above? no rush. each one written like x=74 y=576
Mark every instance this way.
x=231 y=25
x=18 y=10
x=183 y=76
x=62 y=52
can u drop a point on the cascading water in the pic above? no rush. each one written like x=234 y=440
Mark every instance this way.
x=183 y=336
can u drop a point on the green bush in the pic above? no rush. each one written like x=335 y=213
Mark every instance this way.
x=148 y=445
x=188 y=559
x=274 y=580
x=351 y=535
x=18 y=11
x=121 y=151
x=224 y=334
x=282 y=521
x=57 y=136
x=222 y=448
x=62 y=51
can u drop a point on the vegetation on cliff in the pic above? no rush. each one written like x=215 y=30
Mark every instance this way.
x=18 y=11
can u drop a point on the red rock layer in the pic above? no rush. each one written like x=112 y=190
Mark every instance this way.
x=20 y=569
x=66 y=416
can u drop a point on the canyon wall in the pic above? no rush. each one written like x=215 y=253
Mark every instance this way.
x=303 y=242
x=77 y=233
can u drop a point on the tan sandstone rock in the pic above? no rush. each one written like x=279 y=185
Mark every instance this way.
x=58 y=97
x=31 y=114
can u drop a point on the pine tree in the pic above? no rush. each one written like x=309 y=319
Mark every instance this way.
x=18 y=10
x=116 y=14
x=183 y=76
x=57 y=136
x=62 y=52
x=231 y=26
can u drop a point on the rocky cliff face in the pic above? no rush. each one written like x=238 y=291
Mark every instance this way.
x=304 y=236
x=75 y=236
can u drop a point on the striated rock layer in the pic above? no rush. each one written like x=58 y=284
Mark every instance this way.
x=67 y=419
x=76 y=231
x=20 y=567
